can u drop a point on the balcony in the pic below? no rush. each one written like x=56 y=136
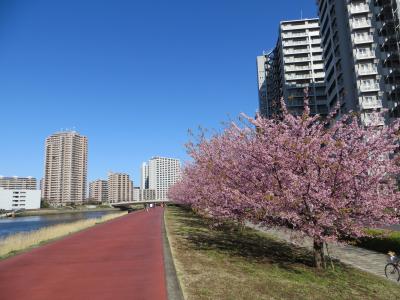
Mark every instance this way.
x=298 y=77
x=299 y=26
x=360 y=24
x=367 y=71
x=297 y=68
x=295 y=43
x=369 y=87
x=372 y=119
x=294 y=35
x=298 y=51
x=364 y=55
x=359 y=9
x=362 y=39
x=318 y=67
x=370 y=104
x=319 y=75
x=297 y=59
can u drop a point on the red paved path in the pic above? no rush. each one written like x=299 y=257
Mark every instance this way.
x=121 y=259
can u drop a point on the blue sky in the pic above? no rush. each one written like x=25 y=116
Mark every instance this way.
x=133 y=76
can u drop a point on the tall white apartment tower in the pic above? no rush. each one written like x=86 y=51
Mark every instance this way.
x=145 y=176
x=163 y=172
x=361 y=50
x=294 y=64
x=65 y=168
x=120 y=188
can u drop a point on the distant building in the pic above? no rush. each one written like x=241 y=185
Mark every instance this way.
x=120 y=188
x=163 y=172
x=65 y=168
x=145 y=176
x=147 y=195
x=18 y=183
x=296 y=63
x=136 y=193
x=16 y=199
x=262 y=72
x=41 y=183
x=98 y=190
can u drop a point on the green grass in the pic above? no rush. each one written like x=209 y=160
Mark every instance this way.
x=230 y=263
x=381 y=241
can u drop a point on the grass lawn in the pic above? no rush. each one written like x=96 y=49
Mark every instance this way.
x=229 y=263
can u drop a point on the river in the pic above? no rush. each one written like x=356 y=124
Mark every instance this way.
x=9 y=226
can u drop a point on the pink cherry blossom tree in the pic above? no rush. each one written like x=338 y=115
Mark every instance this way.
x=326 y=179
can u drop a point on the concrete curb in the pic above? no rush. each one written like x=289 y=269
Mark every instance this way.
x=174 y=289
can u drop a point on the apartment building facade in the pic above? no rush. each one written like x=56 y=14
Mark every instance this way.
x=163 y=172
x=16 y=199
x=98 y=191
x=294 y=64
x=18 y=183
x=360 y=41
x=120 y=188
x=65 y=167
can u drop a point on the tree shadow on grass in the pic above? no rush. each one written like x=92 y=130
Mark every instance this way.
x=244 y=242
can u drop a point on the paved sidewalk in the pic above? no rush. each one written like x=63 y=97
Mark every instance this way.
x=120 y=259
x=366 y=260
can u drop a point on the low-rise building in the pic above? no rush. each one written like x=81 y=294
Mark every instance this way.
x=16 y=199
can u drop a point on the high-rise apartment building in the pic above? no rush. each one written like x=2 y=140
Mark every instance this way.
x=295 y=64
x=360 y=41
x=18 y=183
x=262 y=71
x=120 y=188
x=65 y=168
x=163 y=172
x=98 y=190
x=145 y=177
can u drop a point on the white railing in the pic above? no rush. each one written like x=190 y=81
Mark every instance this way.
x=360 y=24
x=298 y=77
x=288 y=51
x=298 y=68
x=363 y=39
x=365 y=55
x=299 y=59
x=291 y=43
x=368 y=71
x=369 y=87
x=359 y=9
x=366 y=104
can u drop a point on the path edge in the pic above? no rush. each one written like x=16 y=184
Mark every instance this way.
x=174 y=289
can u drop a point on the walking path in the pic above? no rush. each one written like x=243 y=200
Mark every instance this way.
x=120 y=259
x=366 y=260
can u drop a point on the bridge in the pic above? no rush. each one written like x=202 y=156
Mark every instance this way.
x=125 y=205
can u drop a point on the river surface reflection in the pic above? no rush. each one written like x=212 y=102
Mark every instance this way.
x=10 y=226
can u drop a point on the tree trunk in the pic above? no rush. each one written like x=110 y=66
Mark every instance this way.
x=319 y=258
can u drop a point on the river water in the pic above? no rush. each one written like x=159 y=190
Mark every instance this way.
x=9 y=226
